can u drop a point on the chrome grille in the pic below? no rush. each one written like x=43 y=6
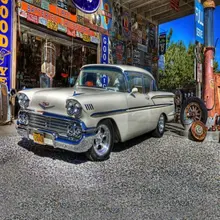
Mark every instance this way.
x=49 y=123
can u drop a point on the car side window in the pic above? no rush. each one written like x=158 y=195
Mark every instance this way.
x=135 y=81
x=149 y=84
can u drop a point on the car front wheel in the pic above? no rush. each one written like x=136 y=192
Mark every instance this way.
x=160 y=129
x=103 y=143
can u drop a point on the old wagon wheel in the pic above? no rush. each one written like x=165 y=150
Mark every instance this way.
x=193 y=110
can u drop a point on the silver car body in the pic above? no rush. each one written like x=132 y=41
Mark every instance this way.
x=131 y=114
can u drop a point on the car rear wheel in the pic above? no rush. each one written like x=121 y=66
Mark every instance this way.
x=159 y=131
x=103 y=143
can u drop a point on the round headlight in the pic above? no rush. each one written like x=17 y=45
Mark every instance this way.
x=74 y=108
x=23 y=118
x=23 y=100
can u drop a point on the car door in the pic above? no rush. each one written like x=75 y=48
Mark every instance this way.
x=153 y=111
x=138 y=104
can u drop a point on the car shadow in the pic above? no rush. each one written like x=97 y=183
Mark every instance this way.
x=53 y=153
x=119 y=147
x=75 y=158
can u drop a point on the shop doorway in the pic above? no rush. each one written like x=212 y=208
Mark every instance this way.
x=69 y=58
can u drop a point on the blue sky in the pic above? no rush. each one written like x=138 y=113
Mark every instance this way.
x=184 y=29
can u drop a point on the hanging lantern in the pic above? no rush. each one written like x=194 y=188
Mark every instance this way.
x=48 y=65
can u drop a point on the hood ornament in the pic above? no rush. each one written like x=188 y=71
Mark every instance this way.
x=45 y=105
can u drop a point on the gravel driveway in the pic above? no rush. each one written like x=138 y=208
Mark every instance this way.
x=146 y=178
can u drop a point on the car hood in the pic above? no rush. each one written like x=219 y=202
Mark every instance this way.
x=53 y=100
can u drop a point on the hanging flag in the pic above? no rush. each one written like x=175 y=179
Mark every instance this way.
x=174 y=4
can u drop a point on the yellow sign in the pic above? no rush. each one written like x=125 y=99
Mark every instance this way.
x=5 y=40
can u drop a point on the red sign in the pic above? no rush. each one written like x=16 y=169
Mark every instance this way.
x=71 y=33
x=32 y=18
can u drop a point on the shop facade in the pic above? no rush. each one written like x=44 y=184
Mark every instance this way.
x=54 y=38
x=53 y=43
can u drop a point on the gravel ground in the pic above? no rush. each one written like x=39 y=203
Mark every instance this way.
x=146 y=178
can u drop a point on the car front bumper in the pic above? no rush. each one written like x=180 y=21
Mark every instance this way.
x=50 y=139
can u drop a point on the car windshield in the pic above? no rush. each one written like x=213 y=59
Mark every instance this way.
x=109 y=79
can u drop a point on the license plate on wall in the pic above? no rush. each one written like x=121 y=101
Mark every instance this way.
x=38 y=138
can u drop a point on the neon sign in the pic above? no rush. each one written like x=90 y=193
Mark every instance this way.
x=5 y=41
x=87 y=6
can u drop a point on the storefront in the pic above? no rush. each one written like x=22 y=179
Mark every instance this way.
x=72 y=38
x=56 y=37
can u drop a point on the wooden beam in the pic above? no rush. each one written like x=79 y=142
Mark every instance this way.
x=144 y=3
x=174 y=17
x=154 y=6
x=167 y=8
x=172 y=12
x=124 y=2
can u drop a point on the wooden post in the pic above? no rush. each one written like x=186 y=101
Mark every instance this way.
x=14 y=45
x=14 y=58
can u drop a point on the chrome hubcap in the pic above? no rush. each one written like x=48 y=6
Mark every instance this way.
x=161 y=124
x=103 y=140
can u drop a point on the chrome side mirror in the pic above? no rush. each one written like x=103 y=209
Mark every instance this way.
x=133 y=91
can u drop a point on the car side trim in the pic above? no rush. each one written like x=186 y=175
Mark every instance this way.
x=98 y=114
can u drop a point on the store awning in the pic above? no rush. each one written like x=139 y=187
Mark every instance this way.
x=160 y=11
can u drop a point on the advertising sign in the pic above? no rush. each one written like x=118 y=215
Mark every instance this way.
x=126 y=25
x=87 y=6
x=104 y=55
x=162 y=44
x=6 y=41
x=106 y=14
x=199 y=19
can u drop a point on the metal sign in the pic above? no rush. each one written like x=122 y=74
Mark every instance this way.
x=162 y=43
x=6 y=41
x=199 y=19
x=104 y=55
x=87 y=6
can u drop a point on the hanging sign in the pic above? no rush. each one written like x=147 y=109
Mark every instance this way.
x=162 y=43
x=104 y=56
x=6 y=41
x=199 y=19
x=106 y=14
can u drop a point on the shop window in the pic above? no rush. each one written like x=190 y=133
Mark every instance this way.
x=68 y=59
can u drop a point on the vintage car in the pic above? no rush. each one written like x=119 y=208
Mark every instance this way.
x=108 y=104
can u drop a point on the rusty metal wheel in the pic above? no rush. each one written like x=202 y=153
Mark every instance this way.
x=198 y=131
x=193 y=110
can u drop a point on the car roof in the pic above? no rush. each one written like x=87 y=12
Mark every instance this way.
x=122 y=67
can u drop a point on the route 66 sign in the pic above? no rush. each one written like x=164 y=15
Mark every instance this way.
x=162 y=44
x=87 y=6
